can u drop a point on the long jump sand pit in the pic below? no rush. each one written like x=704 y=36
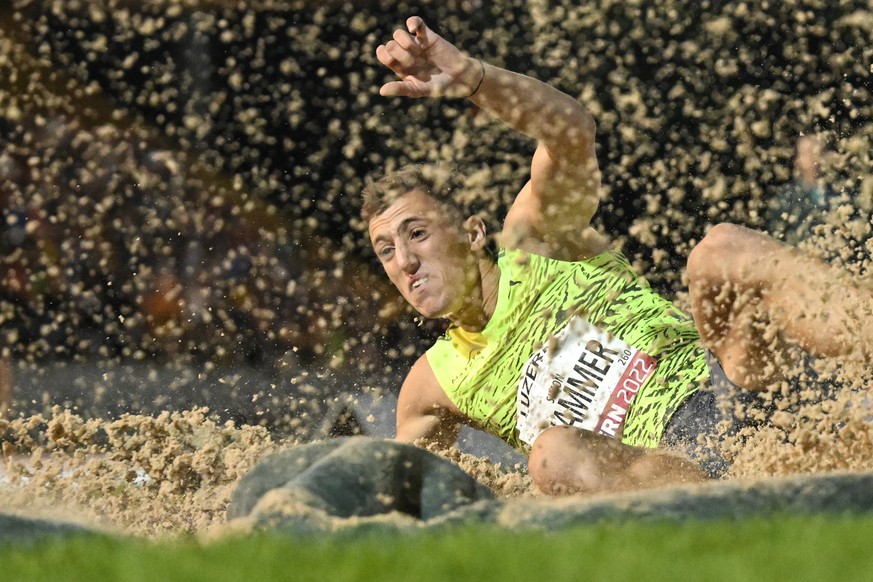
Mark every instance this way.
x=698 y=108
x=182 y=474
x=362 y=482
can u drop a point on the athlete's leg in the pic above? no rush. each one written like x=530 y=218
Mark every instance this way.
x=742 y=281
x=566 y=460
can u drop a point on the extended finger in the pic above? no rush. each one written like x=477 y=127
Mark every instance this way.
x=407 y=42
x=424 y=36
x=388 y=59
x=401 y=56
x=392 y=89
x=399 y=89
x=416 y=27
x=383 y=56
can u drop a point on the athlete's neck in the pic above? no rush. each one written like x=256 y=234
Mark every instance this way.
x=482 y=301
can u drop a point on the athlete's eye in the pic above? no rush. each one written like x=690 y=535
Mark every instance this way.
x=417 y=233
x=385 y=252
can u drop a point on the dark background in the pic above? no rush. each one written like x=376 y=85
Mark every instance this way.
x=180 y=182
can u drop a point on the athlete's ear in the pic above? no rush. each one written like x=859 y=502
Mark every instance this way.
x=476 y=233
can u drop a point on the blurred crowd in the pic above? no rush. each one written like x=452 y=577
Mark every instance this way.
x=114 y=252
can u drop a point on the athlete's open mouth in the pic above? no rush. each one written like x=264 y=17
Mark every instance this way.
x=419 y=282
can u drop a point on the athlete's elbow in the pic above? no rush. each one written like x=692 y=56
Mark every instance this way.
x=427 y=431
x=587 y=125
x=580 y=124
x=575 y=145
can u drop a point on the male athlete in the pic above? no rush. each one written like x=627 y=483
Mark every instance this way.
x=555 y=345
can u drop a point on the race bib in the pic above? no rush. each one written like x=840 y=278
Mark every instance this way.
x=582 y=377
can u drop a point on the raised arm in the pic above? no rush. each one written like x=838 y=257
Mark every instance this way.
x=552 y=213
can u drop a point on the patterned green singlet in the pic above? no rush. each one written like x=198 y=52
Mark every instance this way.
x=585 y=343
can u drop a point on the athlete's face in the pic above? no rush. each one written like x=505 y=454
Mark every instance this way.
x=426 y=253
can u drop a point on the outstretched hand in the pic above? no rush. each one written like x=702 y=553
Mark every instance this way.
x=427 y=64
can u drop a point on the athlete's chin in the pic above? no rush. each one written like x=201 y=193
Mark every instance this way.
x=429 y=313
x=429 y=309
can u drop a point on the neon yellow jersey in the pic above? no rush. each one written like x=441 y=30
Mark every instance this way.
x=585 y=343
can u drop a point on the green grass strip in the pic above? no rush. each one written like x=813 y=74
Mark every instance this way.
x=793 y=548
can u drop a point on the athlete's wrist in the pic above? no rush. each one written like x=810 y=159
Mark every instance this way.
x=481 y=79
x=470 y=80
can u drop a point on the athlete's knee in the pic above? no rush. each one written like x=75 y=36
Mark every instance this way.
x=730 y=253
x=708 y=259
x=544 y=457
x=565 y=460
x=558 y=460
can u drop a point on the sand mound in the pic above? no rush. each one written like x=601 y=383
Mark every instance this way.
x=142 y=475
x=349 y=484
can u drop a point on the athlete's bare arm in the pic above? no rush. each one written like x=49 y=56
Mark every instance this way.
x=423 y=409
x=551 y=214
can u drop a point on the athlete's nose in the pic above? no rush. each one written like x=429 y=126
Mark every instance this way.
x=407 y=260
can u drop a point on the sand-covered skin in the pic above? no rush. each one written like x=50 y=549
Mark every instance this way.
x=179 y=184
